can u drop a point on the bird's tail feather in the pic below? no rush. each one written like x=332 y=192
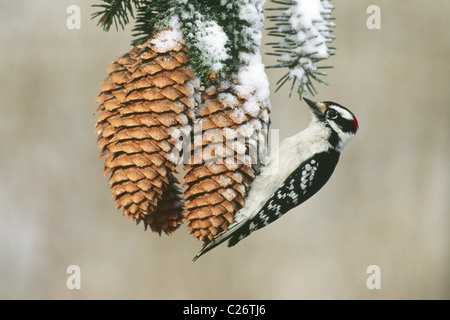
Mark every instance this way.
x=220 y=238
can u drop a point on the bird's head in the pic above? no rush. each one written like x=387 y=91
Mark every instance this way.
x=341 y=121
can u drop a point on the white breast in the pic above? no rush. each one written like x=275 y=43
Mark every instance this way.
x=282 y=162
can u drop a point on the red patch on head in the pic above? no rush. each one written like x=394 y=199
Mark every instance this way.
x=356 y=122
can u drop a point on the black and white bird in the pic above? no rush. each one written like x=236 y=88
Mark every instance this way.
x=300 y=168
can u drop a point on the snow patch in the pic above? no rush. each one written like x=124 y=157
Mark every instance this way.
x=228 y=100
x=211 y=40
x=252 y=79
x=166 y=40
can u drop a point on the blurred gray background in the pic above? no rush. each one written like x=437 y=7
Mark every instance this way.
x=387 y=203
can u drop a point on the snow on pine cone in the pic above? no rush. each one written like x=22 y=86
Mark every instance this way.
x=230 y=128
x=146 y=102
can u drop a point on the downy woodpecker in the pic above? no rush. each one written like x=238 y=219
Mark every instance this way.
x=302 y=165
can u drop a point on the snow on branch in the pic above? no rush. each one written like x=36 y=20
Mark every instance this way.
x=219 y=33
x=304 y=29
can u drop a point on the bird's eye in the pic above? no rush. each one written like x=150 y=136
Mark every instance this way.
x=332 y=114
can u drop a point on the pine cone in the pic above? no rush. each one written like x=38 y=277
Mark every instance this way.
x=146 y=103
x=231 y=127
x=170 y=208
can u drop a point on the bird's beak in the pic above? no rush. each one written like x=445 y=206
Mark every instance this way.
x=318 y=107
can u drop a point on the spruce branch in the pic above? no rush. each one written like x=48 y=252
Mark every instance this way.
x=303 y=30
x=151 y=16
x=114 y=12
x=218 y=33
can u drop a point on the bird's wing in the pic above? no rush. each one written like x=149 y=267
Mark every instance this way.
x=298 y=187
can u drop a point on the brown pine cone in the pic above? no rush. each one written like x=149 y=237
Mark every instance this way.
x=146 y=101
x=228 y=131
